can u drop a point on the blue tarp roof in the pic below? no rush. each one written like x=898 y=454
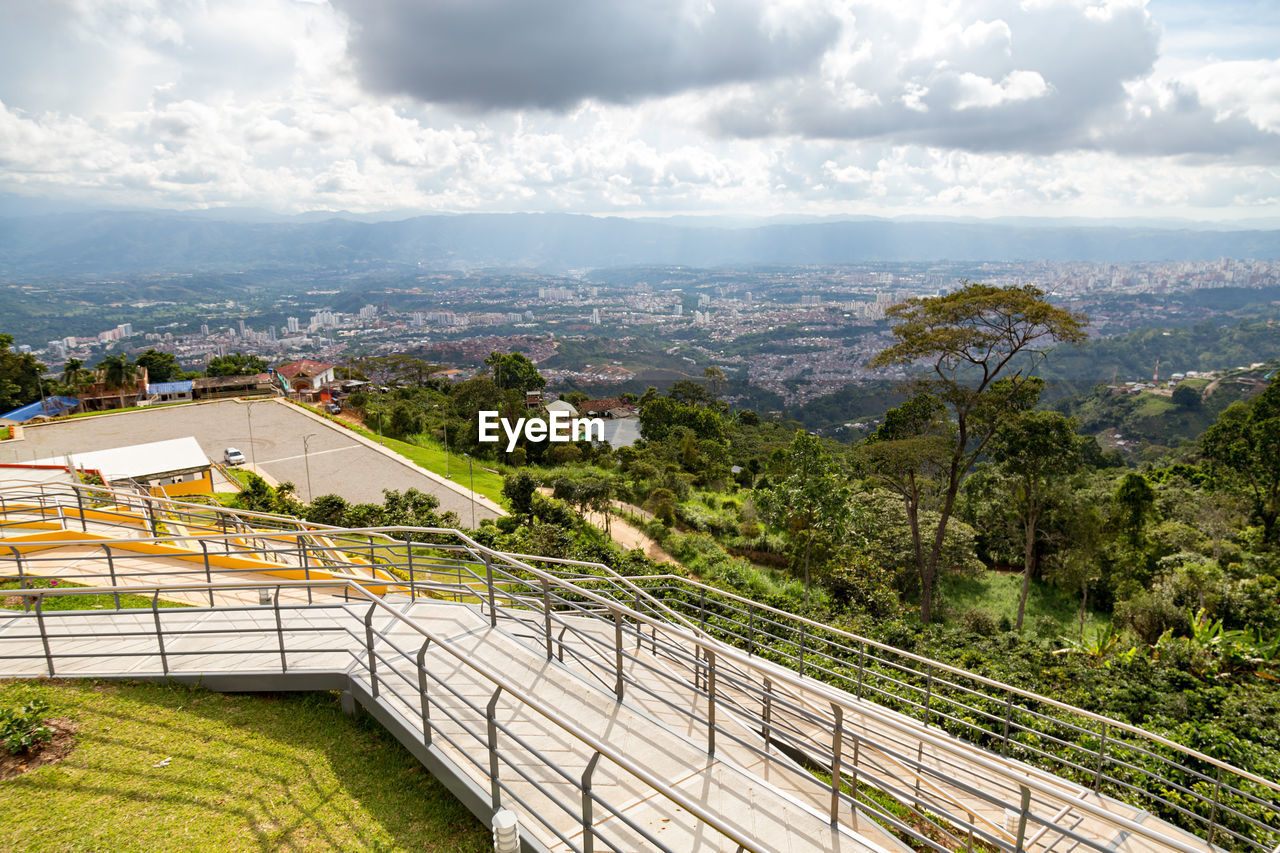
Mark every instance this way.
x=183 y=387
x=48 y=407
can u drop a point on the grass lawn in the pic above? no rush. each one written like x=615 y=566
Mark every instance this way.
x=245 y=773
x=431 y=457
x=9 y=600
x=1050 y=611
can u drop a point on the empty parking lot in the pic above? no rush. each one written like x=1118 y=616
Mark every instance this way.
x=339 y=462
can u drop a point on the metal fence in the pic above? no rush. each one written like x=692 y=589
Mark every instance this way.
x=897 y=740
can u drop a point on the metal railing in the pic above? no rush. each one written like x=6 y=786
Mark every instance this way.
x=391 y=668
x=1223 y=804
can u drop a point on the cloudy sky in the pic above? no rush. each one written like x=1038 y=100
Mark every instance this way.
x=1101 y=108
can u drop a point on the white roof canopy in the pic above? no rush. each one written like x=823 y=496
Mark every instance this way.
x=138 y=460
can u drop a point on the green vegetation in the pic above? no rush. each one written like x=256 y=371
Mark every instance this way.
x=10 y=599
x=22 y=727
x=19 y=376
x=164 y=767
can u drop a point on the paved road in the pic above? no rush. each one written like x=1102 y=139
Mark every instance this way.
x=339 y=462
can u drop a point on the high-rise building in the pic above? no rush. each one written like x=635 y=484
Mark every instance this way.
x=292 y=325
x=204 y=330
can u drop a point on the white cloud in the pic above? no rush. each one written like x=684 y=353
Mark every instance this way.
x=848 y=106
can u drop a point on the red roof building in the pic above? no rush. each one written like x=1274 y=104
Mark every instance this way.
x=306 y=375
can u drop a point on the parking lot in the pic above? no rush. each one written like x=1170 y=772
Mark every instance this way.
x=340 y=463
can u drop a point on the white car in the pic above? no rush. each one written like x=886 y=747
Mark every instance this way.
x=232 y=456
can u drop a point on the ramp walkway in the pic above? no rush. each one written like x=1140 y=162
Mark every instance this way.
x=614 y=713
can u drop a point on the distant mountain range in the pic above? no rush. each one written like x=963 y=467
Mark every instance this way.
x=114 y=242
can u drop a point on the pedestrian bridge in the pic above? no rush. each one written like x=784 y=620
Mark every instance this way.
x=608 y=712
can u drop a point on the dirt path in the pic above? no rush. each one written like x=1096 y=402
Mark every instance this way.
x=624 y=533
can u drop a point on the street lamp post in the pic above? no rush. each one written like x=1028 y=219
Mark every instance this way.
x=445 y=429
x=472 y=472
x=252 y=453
x=306 y=460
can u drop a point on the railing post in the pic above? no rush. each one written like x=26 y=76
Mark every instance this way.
x=368 y=637
x=44 y=636
x=155 y=614
x=22 y=578
x=766 y=714
x=711 y=701
x=422 y=688
x=1102 y=748
x=546 y=613
x=1213 y=815
x=493 y=607
x=617 y=653
x=1008 y=715
x=862 y=667
x=928 y=694
x=491 y=718
x=284 y=664
x=111 y=570
x=208 y=573
x=588 y=833
x=837 y=741
x=84 y=525
x=306 y=565
x=800 y=657
x=853 y=781
x=751 y=630
x=1022 y=819
x=413 y=583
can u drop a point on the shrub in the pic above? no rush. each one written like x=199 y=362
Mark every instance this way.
x=979 y=622
x=23 y=727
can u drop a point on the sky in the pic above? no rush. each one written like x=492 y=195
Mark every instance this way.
x=744 y=108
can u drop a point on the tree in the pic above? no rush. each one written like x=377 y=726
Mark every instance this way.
x=1185 y=397
x=519 y=489
x=661 y=415
x=980 y=344
x=906 y=454
x=235 y=364
x=1134 y=504
x=512 y=370
x=1034 y=451
x=118 y=373
x=74 y=375
x=19 y=376
x=715 y=380
x=161 y=366
x=1243 y=449
x=810 y=502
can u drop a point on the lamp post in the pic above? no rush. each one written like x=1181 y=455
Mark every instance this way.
x=445 y=429
x=306 y=460
x=472 y=472
x=253 y=453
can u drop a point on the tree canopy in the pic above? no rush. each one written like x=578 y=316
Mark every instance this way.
x=235 y=364
x=19 y=376
x=513 y=370
x=979 y=345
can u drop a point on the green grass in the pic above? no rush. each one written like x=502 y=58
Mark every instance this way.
x=74 y=602
x=6 y=433
x=432 y=458
x=246 y=773
x=1050 y=611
